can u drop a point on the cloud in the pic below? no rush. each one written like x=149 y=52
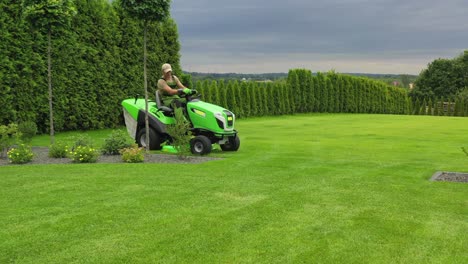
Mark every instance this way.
x=373 y=34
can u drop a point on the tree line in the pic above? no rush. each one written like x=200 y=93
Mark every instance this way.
x=97 y=63
x=304 y=92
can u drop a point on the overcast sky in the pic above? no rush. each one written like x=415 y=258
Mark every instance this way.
x=368 y=36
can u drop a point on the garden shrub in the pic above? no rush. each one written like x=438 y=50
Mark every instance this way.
x=58 y=150
x=115 y=142
x=21 y=154
x=84 y=154
x=28 y=130
x=82 y=140
x=133 y=154
x=9 y=135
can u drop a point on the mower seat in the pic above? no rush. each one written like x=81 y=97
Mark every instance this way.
x=166 y=110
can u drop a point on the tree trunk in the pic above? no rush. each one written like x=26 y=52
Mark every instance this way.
x=146 y=88
x=49 y=78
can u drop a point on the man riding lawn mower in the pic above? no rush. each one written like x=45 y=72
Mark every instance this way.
x=209 y=124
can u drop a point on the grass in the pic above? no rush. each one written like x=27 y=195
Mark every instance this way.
x=97 y=137
x=305 y=188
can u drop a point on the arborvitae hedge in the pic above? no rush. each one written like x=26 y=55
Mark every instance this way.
x=97 y=63
x=324 y=93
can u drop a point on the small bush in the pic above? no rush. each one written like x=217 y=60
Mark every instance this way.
x=84 y=154
x=28 y=130
x=133 y=154
x=115 y=142
x=82 y=140
x=58 y=150
x=180 y=134
x=20 y=155
x=9 y=135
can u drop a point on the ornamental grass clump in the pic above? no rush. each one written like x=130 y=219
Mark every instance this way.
x=84 y=154
x=20 y=155
x=133 y=154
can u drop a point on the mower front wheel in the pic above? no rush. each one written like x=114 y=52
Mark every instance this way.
x=200 y=145
x=154 y=139
x=233 y=144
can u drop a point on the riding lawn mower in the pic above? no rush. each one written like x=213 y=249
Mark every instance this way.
x=209 y=123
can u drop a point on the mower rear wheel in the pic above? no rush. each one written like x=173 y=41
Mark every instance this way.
x=233 y=144
x=200 y=145
x=154 y=139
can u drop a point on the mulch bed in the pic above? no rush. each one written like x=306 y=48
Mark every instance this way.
x=450 y=176
x=41 y=157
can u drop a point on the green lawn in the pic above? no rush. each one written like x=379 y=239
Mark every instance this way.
x=305 y=188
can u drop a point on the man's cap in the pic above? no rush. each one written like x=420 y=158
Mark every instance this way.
x=166 y=67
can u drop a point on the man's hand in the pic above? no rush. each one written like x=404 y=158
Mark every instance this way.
x=187 y=91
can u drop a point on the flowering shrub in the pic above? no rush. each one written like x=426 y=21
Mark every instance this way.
x=21 y=154
x=83 y=154
x=58 y=150
x=133 y=154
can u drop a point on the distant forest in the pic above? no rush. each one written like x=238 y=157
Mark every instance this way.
x=399 y=80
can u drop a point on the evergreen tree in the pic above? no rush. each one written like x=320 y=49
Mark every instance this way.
x=331 y=95
x=322 y=92
x=146 y=10
x=49 y=15
x=246 y=99
x=317 y=94
x=222 y=94
x=213 y=92
x=416 y=107
x=238 y=110
x=422 y=110
x=253 y=99
x=230 y=96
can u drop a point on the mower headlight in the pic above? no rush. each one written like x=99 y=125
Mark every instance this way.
x=220 y=120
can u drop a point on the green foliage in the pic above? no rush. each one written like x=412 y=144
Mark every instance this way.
x=81 y=140
x=422 y=109
x=133 y=154
x=151 y=10
x=84 y=154
x=416 y=107
x=186 y=79
x=58 y=150
x=443 y=77
x=116 y=141
x=21 y=154
x=180 y=134
x=49 y=13
x=28 y=130
x=9 y=135
x=304 y=93
x=97 y=62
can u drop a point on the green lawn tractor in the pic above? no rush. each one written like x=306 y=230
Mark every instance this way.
x=209 y=124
